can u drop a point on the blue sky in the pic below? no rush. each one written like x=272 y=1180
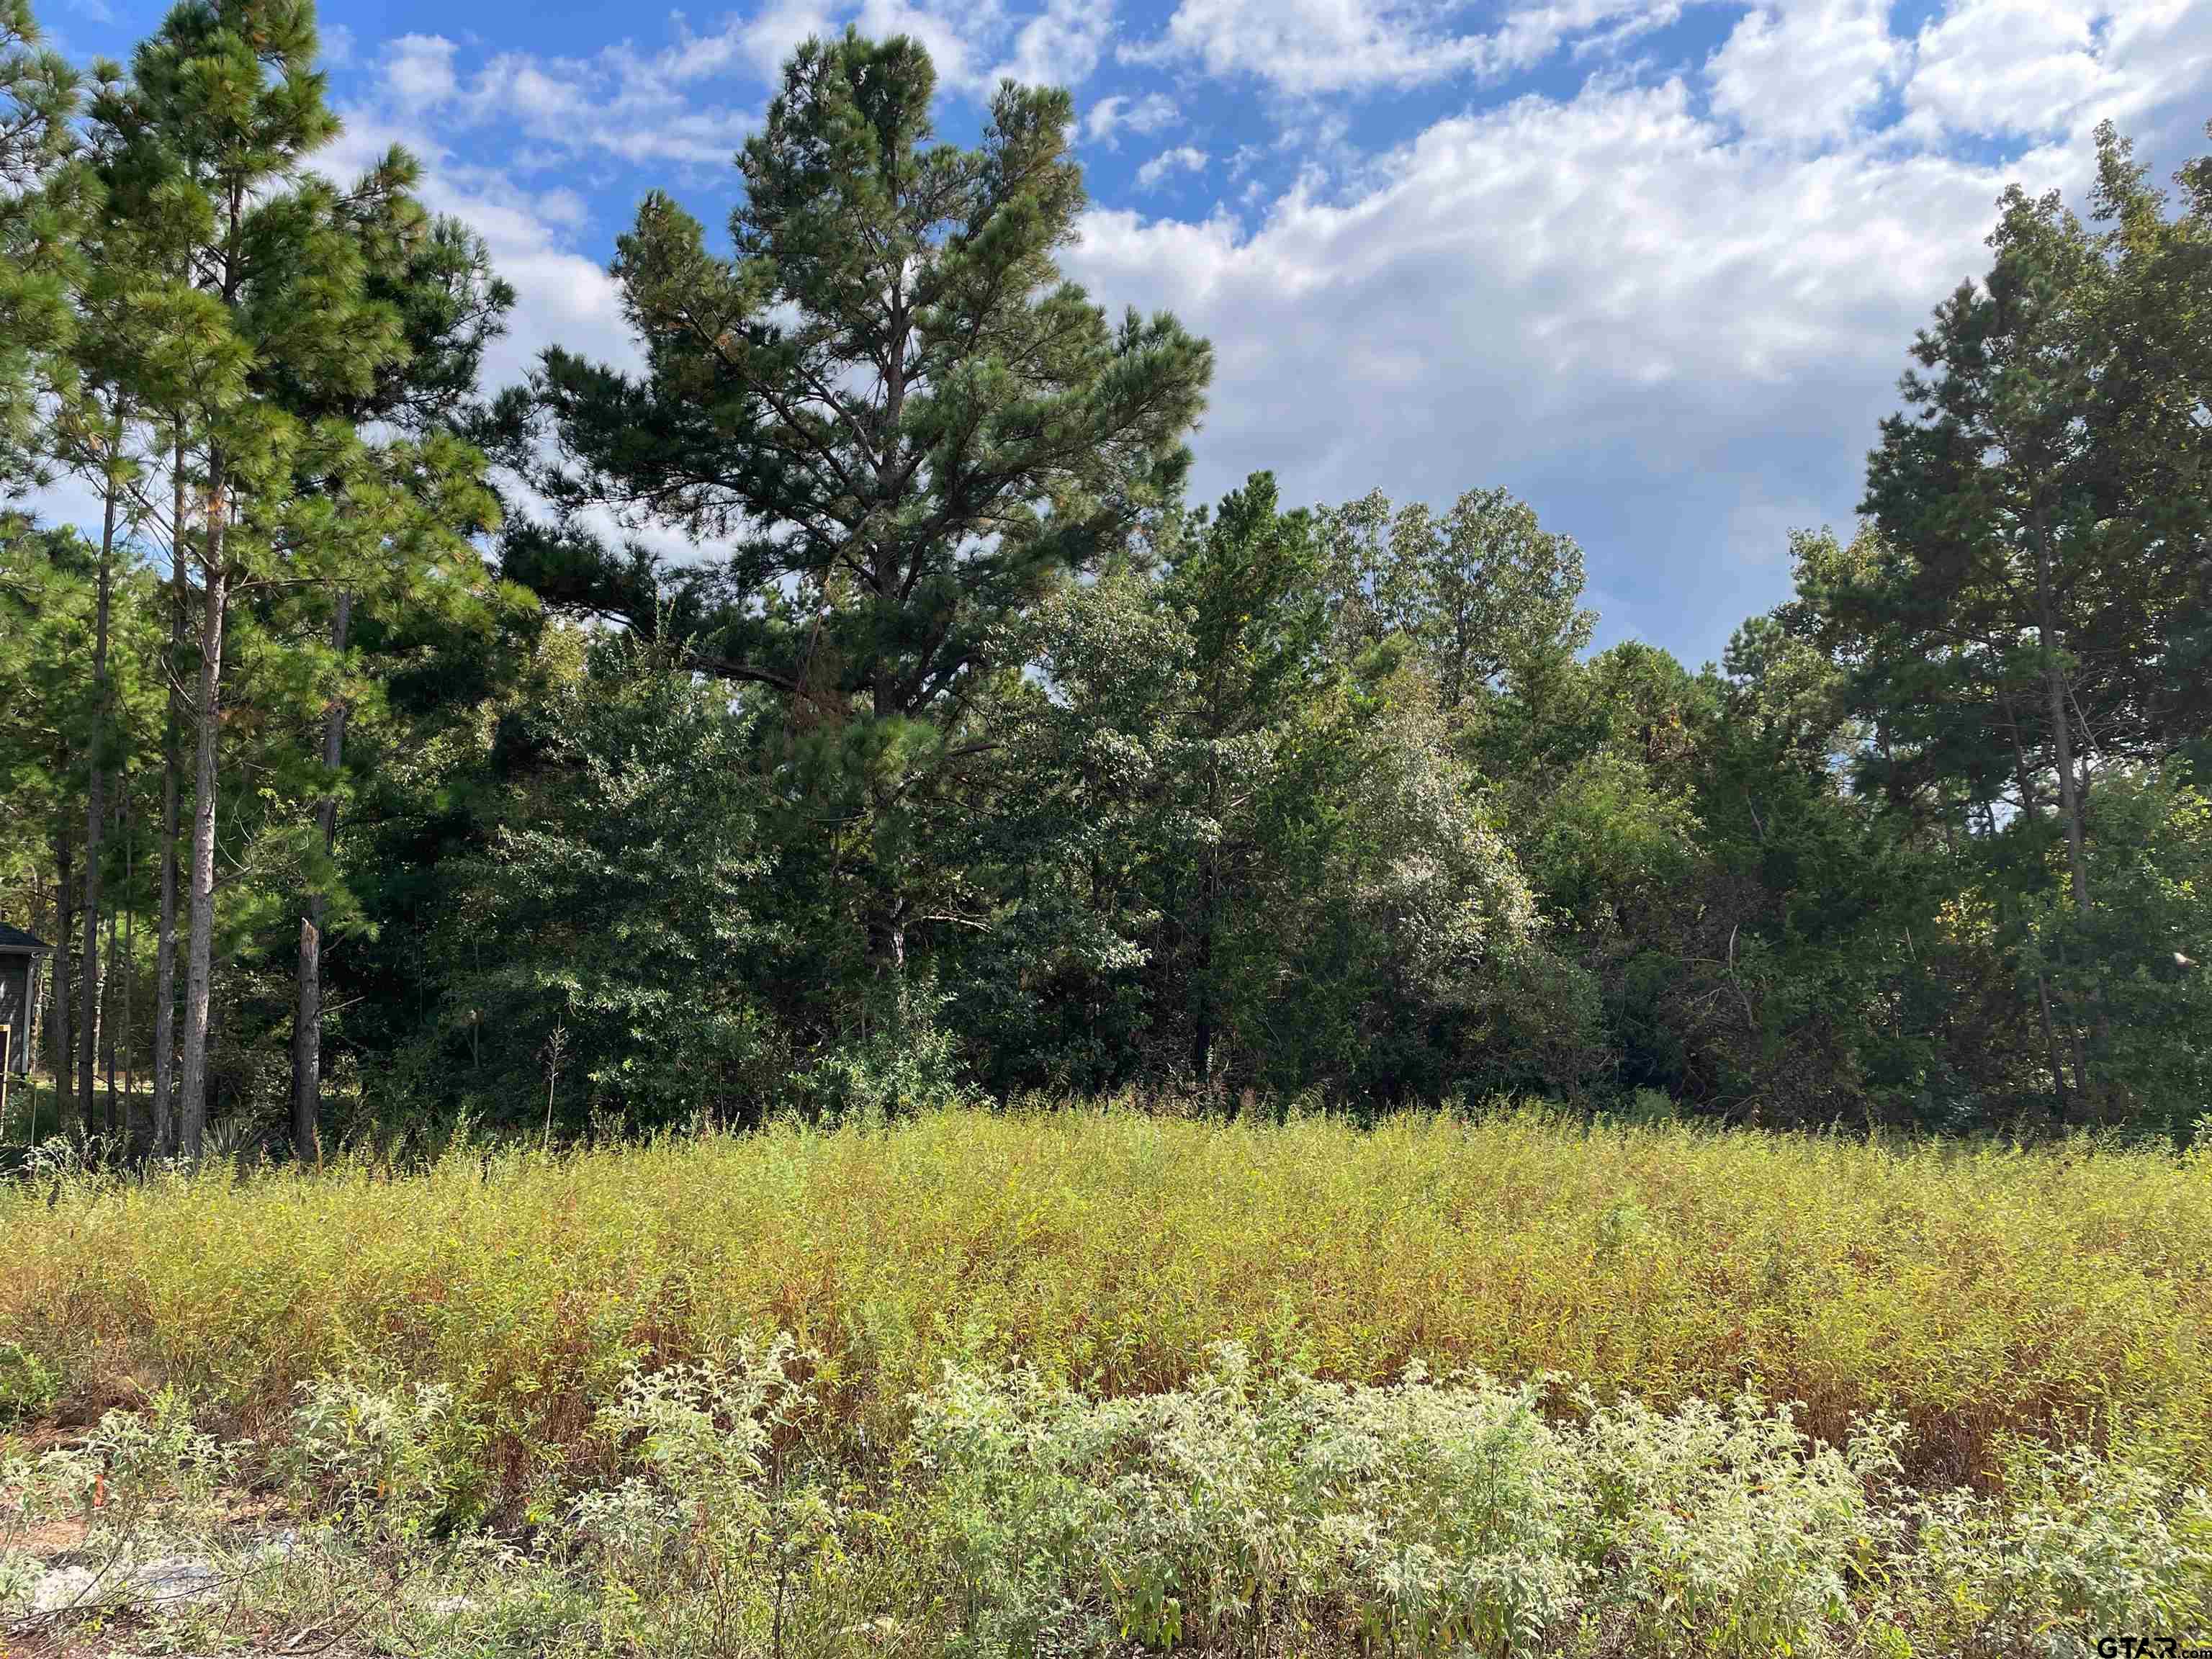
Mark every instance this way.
x=1653 y=265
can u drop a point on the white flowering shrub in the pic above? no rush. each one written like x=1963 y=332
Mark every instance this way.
x=2080 y=1545
x=1452 y=1517
x=1726 y=1530
x=1243 y=1513
x=1444 y=1507
x=403 y=1460
x=20 y=1495
x=724 y=1506
x=136 y=1482
x=131 y=1463
x=1419 y=1516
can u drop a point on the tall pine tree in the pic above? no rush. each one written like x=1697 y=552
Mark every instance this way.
x=900 y=420
x=257 y=287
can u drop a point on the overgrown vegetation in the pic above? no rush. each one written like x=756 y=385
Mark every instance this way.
x=1076 y=1382
x=1971 y=1293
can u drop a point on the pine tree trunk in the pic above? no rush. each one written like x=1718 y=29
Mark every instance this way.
x=165 y=938
x=2061 y=1092
x=192 y=1088
x=887 y=951
x=95 y=824
x=132 y=1127
x=58 y=1024
x=307 y=1040
x=1209 y=902
x=106 y=1043
x=2062 y=728
x=886 y=912
x=1201 y=1025
x=2069 y=786
x=307 y=1015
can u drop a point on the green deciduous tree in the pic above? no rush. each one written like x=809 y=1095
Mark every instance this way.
x=619 y=900
x=1483 y=590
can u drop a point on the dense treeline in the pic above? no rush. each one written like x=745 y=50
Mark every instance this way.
x=373 y=770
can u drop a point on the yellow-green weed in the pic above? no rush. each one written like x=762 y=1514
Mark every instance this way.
x=1974 y=1292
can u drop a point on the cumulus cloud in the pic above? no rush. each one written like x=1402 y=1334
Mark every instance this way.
x=1306 y=46
x=1668 y=306
x=2010 y=67
x=1183 y=158
x=675 y=104
x=1110 y=116
x=1674 y=345
x=764 y=40
x=1804 y=73
x=1309 y=48
x=1060 y=45
x=1531 y=33
x=634 y=106
x=418 y=70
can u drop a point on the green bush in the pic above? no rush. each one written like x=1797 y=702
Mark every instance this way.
x=1419 y=1517
x=29 y=1386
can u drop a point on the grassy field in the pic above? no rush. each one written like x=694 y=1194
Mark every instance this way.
x=2005 y=1309
x=1972 y=1293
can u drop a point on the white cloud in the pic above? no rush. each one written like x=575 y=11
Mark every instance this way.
x=1183 y=158
x=1641 y=349
x=1531 y=33
x=672 y=104
x=770 y=35
x=1803 y=74
x=1669 y=310
x=418 y=70
x=1060 y=45
x=620 y=103
x=973 y=44
x=2010 y=67
x=1308 y=47
x=1119 y=114
x=950 y=34
x=2040 y=69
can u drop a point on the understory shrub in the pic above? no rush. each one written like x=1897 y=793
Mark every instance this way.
x=1246 y=1513
x=727 y=1508
x=1426 y=1516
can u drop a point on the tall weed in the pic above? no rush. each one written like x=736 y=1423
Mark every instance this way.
x=1974 y=1293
